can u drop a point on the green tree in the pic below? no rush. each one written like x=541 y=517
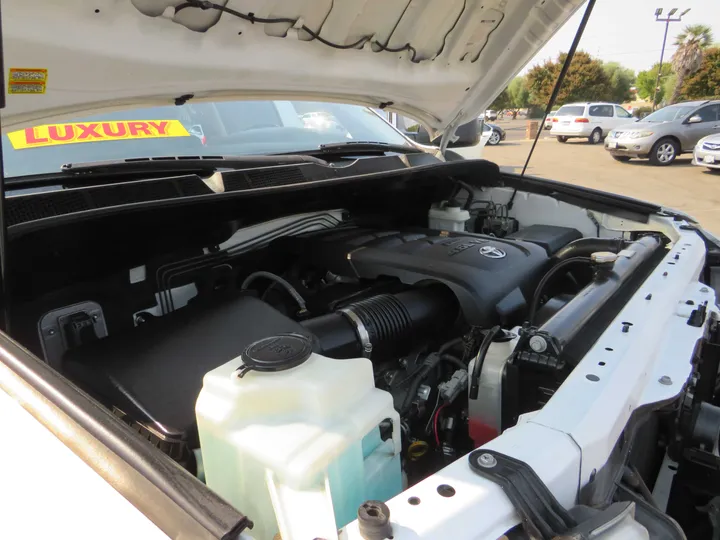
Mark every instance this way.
x=645 y=82
x=586 y=80
x=519 y=95
x=688 y=57
x=501 y=102
x=705 y=82
x=666 y=88
x=621 y=79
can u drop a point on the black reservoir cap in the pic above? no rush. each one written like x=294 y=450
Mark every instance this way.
x=276 y=353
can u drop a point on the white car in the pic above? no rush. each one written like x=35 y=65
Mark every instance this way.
x=591 y=121
x=707 y=152
x=264 y=329
x=549 y=120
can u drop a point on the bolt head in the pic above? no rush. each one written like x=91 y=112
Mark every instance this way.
x=487 y=460
x=667 y=381
x=704 y=289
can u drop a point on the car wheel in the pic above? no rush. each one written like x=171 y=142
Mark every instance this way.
x=664 y=152
x=624 y=159
x=494 y=138
x=595 y=137
x=562 y=138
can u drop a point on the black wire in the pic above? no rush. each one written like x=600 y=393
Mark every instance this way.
x=480 y=360
x=546 y=278
x=423 y=371
x=449 y=345
x=205 y=5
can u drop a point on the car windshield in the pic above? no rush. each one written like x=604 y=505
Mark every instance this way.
x=668 y=114
x=571 y=110
x=193 y=129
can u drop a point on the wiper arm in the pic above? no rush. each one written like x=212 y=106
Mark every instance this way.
x=351 y=147
x=186 y=163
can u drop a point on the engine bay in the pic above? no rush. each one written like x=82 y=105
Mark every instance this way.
x=453 y=329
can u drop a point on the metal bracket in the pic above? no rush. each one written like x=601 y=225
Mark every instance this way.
x=542 y=515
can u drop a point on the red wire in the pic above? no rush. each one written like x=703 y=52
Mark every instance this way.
x=435 y=424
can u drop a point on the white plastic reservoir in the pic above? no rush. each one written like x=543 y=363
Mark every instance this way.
x=447 y=216
x=298 y=450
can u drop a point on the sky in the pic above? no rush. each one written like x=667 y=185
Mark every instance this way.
x=625 y=31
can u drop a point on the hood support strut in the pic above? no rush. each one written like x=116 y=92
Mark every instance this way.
x=556 y=89
x=4 y=289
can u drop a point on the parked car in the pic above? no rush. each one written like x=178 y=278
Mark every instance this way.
x=237 y=303
x=417 y=133
x=495 y=133
x=549 y=120
x=491 y=115
x=665 y=134
x=591 y=121
x=707 y=152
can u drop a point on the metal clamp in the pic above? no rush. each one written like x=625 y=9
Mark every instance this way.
x=360 y=330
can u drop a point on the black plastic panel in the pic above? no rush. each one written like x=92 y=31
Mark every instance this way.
x=480 y=270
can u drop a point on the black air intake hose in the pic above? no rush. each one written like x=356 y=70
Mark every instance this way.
x=384 y=324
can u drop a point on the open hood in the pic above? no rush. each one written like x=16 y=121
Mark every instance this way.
x=438 y=61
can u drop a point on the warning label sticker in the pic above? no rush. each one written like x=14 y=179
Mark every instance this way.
x=56 y=134
x=27 y=81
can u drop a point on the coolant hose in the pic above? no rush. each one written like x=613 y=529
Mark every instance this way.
x=584 y=247
x=546 y=279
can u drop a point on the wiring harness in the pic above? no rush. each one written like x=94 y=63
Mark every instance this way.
x=250 y=17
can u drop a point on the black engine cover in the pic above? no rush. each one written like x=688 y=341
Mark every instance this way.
x=491 y=277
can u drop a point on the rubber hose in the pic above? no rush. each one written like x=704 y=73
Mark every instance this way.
x=280 y=281
x=480 y=360
x=545 y=280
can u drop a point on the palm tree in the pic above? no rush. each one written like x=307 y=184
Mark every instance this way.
x=690 y=43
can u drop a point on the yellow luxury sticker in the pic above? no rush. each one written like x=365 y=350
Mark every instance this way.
x=27 y=81
x=55 y=134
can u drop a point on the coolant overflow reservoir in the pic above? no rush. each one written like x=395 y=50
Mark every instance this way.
x=292 y=439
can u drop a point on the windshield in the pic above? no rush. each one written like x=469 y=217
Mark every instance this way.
x=571 y=110
x=193 y=129
x=668 y=114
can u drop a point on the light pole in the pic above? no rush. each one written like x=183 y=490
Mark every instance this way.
x=667 y=20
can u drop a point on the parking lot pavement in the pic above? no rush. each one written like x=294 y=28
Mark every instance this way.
x=682 y=186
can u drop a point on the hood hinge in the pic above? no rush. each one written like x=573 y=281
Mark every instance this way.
x=448 y=134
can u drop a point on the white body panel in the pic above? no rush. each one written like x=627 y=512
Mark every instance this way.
x=49 y=492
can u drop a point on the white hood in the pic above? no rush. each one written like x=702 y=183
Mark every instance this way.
x=105 y=54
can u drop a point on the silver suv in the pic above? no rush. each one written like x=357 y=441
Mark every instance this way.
x=666 y=133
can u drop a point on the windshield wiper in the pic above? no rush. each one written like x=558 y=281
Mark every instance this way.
x=363 y=147
x=186 y=163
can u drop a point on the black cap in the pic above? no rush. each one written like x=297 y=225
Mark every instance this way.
x=276 y=353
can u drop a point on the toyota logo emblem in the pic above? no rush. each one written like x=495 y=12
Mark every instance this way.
x=492 y=252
